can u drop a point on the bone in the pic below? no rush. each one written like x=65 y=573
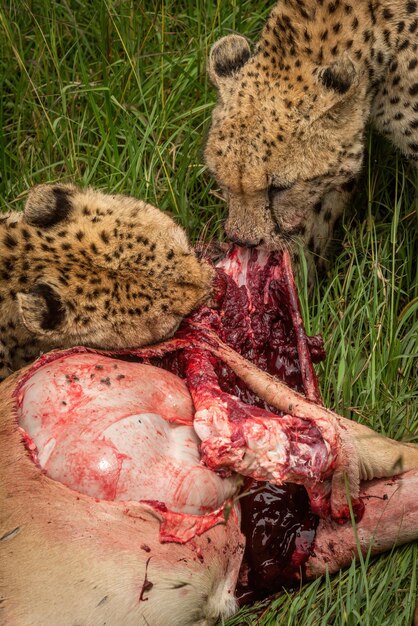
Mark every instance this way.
x=310 y=380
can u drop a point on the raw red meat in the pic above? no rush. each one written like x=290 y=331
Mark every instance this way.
x=257 y=313
x=248 y=423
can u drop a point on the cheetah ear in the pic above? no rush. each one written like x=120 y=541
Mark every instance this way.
x=338 y=77
x=48 y=205
x=227 y=56
x=41 y=309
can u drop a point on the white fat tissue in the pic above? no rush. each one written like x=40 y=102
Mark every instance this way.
x=116 y=430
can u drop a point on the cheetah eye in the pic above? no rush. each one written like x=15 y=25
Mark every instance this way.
x=274 y=190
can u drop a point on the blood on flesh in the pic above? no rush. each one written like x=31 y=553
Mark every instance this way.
x=259 y=316
x=256 y=311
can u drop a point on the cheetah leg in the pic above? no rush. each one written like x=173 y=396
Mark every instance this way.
x=324 y=220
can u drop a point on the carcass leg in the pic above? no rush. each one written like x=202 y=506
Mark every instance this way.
x=256 y=443
x=358 y=452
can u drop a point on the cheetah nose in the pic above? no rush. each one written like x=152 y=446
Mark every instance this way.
x=245 y=243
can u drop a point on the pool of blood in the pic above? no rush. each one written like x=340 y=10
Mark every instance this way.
x=279 y=530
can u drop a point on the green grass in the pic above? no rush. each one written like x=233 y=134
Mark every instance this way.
x=115 y=94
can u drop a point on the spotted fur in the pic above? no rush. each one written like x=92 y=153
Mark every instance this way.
x=287 y=137
x=83 y=267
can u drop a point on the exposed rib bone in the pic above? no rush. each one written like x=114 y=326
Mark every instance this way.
x=310 y=381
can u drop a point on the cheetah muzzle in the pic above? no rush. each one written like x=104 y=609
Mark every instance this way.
x=287 y=137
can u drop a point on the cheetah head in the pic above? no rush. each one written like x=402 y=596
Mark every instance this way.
x=283 y=135
x=107 y=271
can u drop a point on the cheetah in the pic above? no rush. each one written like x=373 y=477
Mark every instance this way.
x=287 y=138
x=81 y=267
